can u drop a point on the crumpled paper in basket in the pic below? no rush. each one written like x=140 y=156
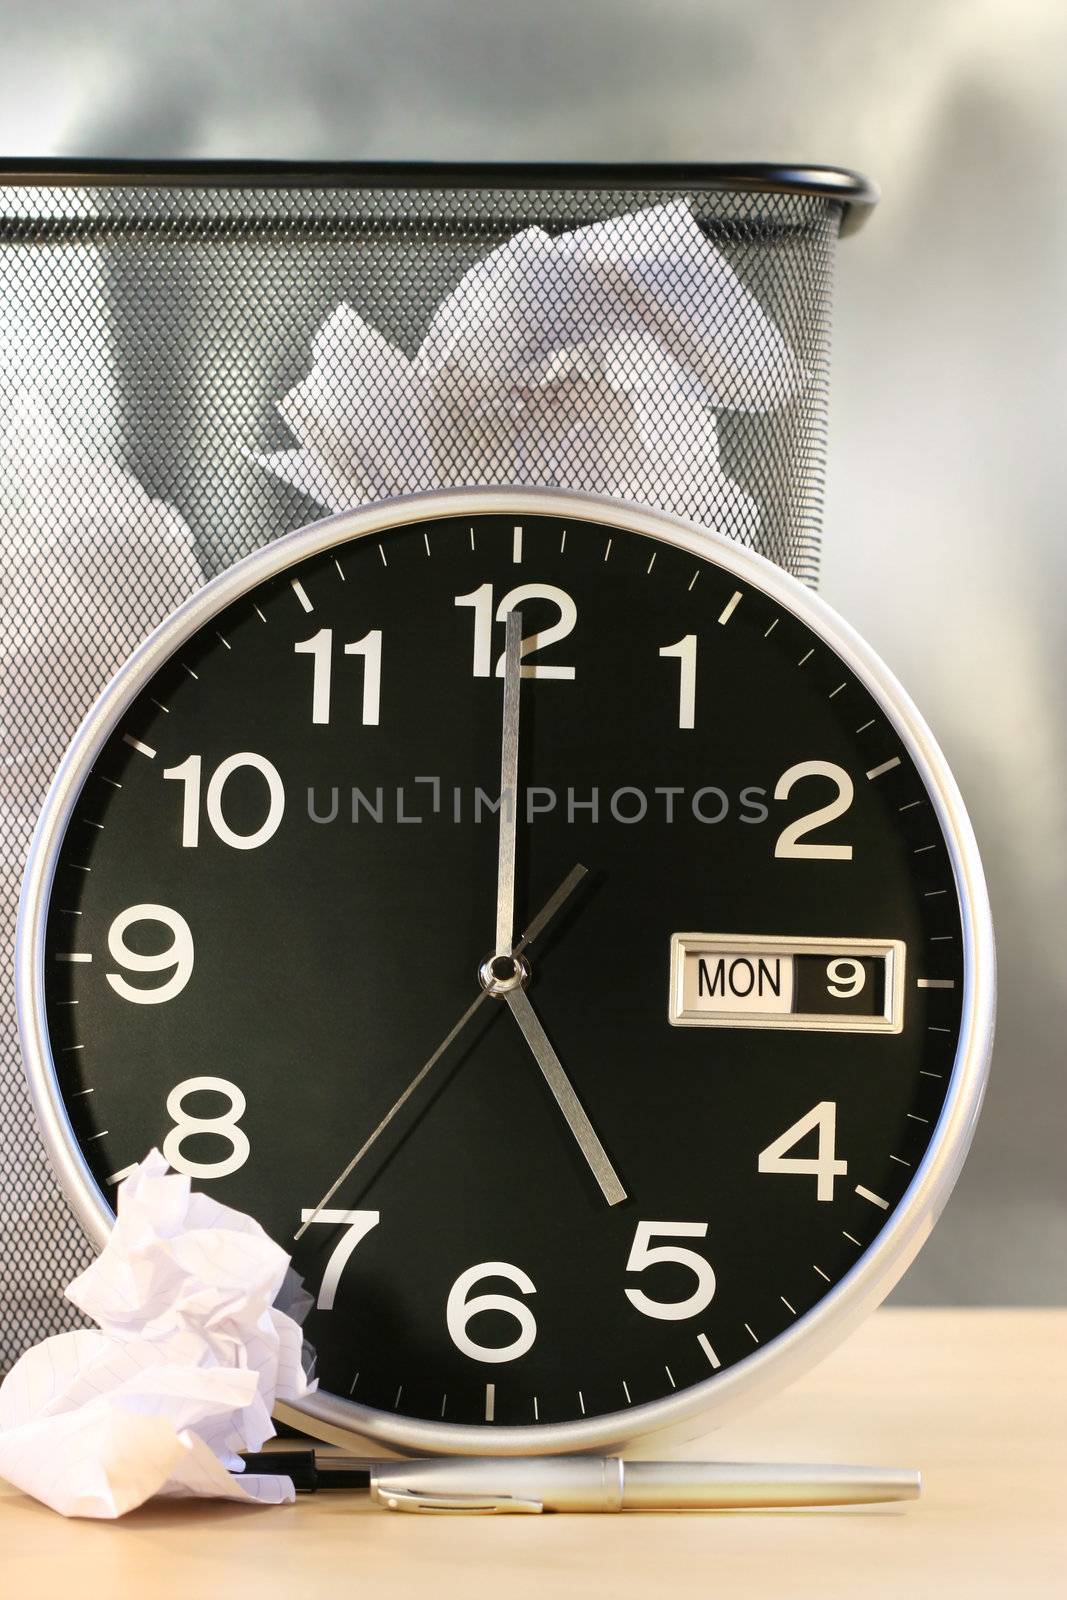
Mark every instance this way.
x=188 y=1357
x=91 y=563
x=592 y=361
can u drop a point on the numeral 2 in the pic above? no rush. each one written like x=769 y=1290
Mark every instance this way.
x=789 y=839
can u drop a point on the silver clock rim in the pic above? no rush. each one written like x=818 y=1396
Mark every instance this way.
x=813 y=1335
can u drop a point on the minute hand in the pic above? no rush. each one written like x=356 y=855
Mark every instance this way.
x=566 y=1099
x=509 y=786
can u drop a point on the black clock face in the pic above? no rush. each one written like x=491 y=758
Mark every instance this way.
x=280 y=881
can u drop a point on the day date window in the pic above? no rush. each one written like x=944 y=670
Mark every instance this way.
x=759 y=981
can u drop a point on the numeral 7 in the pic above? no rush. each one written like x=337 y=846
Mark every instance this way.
x=359 y=1224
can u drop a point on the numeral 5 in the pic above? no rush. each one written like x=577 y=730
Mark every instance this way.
x=643 y=1253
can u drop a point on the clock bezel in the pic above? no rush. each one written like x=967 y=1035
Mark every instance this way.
x=814 y=1334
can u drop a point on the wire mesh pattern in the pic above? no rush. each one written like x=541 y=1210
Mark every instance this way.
x=188 y=372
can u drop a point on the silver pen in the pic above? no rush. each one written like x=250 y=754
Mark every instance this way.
x=489 y=1485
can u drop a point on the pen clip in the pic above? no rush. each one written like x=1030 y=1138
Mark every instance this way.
x=472 y=1504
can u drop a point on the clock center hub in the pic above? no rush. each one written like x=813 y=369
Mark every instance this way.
x=498 y=974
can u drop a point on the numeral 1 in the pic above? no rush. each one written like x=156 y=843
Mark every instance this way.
x=686 y=652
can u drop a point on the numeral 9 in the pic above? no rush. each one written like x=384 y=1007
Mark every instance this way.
x=178 y=955
x=846 y=978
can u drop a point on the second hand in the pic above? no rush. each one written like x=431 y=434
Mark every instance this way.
x=537 y=926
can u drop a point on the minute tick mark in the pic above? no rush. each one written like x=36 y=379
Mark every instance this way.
x=730 y=607
x=705 y=1344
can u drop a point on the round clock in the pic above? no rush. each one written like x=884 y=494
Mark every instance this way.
x=554 y=925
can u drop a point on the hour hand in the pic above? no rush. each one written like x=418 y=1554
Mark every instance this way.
x=563 y=1090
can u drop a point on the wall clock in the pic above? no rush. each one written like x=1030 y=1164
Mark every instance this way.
x=697 y=1042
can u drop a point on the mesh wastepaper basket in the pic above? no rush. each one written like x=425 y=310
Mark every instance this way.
x=197 y=359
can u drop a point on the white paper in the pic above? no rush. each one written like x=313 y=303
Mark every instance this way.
x=189 y=1355
x=347 y=415
x=91 y=564
x=683 y=290
x=594 y=361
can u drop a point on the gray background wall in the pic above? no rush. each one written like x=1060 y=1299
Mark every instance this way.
x=945 y=534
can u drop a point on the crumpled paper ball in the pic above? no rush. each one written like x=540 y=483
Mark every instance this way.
x=189 y=1355
x=360 y=388
x=594 y=361
x=659 y=263
x=91 y=564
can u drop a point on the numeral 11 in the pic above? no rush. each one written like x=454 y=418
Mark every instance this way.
x=320 y=648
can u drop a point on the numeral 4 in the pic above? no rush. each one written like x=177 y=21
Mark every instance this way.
x=824 y=1166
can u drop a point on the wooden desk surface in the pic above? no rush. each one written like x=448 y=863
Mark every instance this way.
x=976 y=1399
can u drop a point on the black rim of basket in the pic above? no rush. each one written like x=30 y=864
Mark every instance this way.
x=855 y=194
